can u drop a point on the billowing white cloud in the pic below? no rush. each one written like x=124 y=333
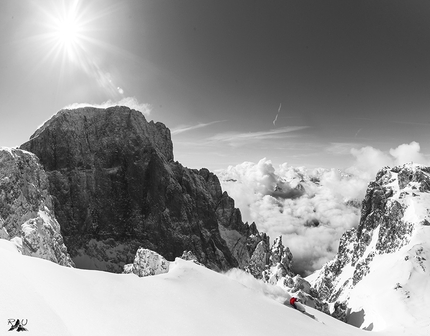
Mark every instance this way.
x=310 y=216
x=311 y=209
x=369 y=160
x=130 y=102
x=408 y=153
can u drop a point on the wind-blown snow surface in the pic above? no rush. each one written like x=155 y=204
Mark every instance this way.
x=189 y=300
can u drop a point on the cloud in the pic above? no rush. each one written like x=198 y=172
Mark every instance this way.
x=185 y=128
x=368 y=160
x=310 y=208
x=236 y=139
x=130 y=102
x=408 y=153
x=311 y=220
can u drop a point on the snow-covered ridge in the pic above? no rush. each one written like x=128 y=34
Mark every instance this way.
x=380 y=278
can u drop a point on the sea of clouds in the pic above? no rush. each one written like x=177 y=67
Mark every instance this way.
x=311 y=209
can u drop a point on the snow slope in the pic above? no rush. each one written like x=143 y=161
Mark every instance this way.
x=395 y=295
x=189 y=300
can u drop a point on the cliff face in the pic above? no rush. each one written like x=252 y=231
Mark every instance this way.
x=26 y=211
x=387 y=256
x=116 y=188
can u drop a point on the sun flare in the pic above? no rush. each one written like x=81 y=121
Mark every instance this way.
x=72 y=34
x=67 y=31
x=66 y=28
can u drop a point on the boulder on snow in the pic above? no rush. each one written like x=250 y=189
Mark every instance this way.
x=147 y=262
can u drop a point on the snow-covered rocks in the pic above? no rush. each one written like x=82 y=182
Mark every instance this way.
x=280 y=261
x=26 y=209
x=147 y=263
x=273 y=266
x=189 y=255
x=380 y=276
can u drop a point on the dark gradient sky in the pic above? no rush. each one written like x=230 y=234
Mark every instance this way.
x=347 y=73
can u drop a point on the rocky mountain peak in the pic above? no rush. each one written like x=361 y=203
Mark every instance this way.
x=116 y=188
x=88 y=130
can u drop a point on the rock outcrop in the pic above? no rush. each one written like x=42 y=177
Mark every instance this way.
x=116 y=188
x=388 y=252
x=259 y=261
x=146 y=263
x=273 y=265
x=280 y=260
x=26 y=210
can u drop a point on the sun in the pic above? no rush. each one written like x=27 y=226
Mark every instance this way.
x=68 y=31
x=72 y=35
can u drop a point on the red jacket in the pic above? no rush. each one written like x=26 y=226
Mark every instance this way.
x=292 y=301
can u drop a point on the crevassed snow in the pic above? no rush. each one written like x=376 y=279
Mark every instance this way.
x=189 y=300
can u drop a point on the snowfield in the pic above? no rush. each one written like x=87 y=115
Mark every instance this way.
x=189 y=300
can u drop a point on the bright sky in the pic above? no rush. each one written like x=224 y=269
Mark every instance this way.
x=301 y=82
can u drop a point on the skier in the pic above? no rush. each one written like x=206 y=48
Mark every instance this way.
x=293 y=301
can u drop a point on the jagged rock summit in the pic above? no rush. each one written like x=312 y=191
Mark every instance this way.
x=26 y=210
x=116 y=187
x=274 y=266
x=381 y=274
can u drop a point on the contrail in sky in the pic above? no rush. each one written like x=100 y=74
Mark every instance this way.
x=186 y=128
x=276 y=118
